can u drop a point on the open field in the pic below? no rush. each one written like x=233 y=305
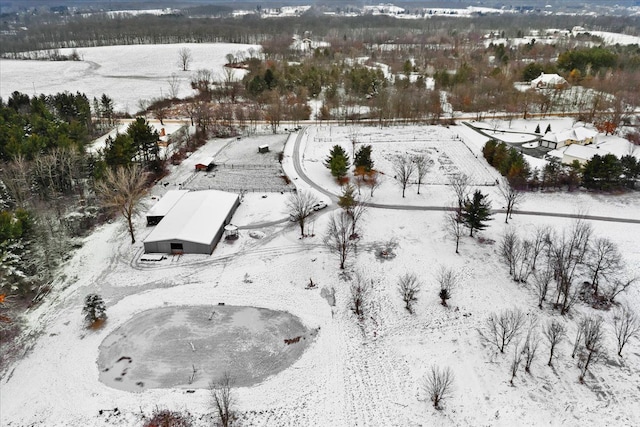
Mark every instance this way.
x=127 y=74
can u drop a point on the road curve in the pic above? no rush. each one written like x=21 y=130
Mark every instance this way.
x=297 y=165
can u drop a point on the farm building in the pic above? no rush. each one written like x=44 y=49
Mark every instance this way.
x=164 y=205
x=207 y=164
x=194 y=224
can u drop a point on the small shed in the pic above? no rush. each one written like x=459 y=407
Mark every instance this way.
x=263 y=148
x=206 y=165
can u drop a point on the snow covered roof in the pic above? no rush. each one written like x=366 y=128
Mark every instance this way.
x=207 y=161
x=197 y=217
x=548 y=80
x=164 y=205
x=577 y=134
x=583 y=133
x=584 y=152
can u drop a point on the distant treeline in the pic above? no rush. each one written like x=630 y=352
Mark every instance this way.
x=48 y=31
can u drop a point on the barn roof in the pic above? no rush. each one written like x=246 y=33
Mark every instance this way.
x=196 y=217
x=164 y=205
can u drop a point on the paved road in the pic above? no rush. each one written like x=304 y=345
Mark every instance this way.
x=297 y=164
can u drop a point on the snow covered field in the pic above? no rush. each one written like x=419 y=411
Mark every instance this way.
x=127 y=74
x=367 y=374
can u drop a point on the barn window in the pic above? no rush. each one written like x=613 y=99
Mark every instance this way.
x=176 y=247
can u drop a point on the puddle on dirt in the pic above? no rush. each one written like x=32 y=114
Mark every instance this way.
x=188 y=347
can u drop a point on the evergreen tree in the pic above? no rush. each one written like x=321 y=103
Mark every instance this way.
x=94 y=309
x=145 y=141
x=476 y=212
x=338 y=162
x=362 y=159
x=538 y=128
x=548 y=129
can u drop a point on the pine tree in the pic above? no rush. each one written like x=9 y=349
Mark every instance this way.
x=94 y=309
x=476 y=212
x=548 y=129
x=538 y=129
x=362 y=159
x=338 y=162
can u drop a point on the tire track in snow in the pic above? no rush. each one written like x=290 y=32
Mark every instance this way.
x=375 y=382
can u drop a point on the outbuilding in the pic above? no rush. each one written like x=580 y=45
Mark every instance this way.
x=206 y=165
x=263 y=148
x=194 y=224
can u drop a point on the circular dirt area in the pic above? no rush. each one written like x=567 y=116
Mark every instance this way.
x=188 y=347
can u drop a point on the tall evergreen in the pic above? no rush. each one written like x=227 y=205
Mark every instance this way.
x=476 y=212
x=362 y=159
x=338 y=162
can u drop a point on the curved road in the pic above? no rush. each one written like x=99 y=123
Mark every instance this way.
x=297 y=164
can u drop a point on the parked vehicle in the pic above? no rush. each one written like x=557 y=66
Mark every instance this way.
x=320 y=205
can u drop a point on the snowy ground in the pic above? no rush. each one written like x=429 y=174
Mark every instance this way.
x=365 y=375
x=127 y=74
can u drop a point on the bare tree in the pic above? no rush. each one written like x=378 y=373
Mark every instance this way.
x=409 y=287
x=403 y=166
x=455 y=225
x=512 y=198
x=501 y=329
x=542 y=280
x=360 y=290
x=174 y=85
x=337 y=238
x=603 y=259
x=223 y=399
x=619 y=285
x=530 y=346
x=353 y=205
x=184 y=58
x=300 y=207
x=438 y=384
x=554 y=332
x=517 y=253
x=448 y=279
x=593 y=336
x=121 y=190
x=516 y=360
x=374 y=181
x=626 y=325
x=460 y=184
x=568 y=253
x=423 y=164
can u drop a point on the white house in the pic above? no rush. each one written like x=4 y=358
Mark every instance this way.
x=549 y=81
x=581 y=153
x=579 y=135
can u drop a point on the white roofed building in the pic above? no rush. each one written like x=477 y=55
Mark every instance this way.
x=164 y=205
x=549 y=81
x=579 y=135
x=194 y=224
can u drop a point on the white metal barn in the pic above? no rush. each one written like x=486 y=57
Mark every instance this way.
x=164 y=205
x=194 y=224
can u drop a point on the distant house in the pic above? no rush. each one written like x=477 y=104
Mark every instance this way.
x=549 y=81
x=580 y=135
x=206 y=165
x=194 y=224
